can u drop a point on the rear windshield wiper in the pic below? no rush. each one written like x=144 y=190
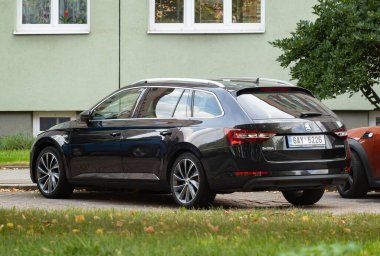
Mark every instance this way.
x=310 y=114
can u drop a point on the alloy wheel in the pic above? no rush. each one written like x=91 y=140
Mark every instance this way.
x=185 y=181
x=48 y=172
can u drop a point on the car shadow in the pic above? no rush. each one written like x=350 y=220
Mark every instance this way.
x=154 y=200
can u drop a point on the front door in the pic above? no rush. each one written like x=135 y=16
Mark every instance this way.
x=96 y=146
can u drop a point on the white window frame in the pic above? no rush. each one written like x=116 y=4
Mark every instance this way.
x=38 y=115
x=54 y=27
x=190 y=27
x=372 y=117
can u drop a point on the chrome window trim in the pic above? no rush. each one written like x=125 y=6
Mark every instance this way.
x=142 y=93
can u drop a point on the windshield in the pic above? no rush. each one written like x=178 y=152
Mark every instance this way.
x=281 y=104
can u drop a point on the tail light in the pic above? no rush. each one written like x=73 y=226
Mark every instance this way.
x=341 y=133
x=239 y=136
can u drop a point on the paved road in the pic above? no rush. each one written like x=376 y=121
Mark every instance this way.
x=331 y=202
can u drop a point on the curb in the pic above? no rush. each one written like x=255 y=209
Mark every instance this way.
x=18 y=186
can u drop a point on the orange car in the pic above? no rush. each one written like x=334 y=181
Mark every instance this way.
x=365 y=162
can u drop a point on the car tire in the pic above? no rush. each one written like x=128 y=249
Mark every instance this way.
x=50 y=174
x=303 y=197
x=188 y=183
x=357 y=183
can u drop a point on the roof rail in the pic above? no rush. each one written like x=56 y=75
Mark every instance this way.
x=171 y=80
x=256 y=80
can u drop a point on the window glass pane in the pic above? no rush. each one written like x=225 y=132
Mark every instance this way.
x=36 y=12
x=208 y=11
x=73 y=11
x=205 y=105
x=246 y=11
x=262 y=105
x=183 y=107
x=118 y=106
x=47 y=122
x=378 y=121
x=169 y=11
x=160 y=103
x=63 y=119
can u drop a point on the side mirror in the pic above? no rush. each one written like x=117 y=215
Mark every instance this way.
x=85 y=116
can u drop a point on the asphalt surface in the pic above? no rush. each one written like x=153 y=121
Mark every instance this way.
x=11 y=197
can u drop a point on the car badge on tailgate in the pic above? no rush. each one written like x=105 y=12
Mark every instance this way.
x=307 y=127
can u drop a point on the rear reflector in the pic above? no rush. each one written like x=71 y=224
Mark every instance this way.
x=238 y=136
x=255 y=173
x=347 y=169
x=341 y=133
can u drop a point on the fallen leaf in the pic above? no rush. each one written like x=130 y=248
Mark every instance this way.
x=264 y=219
x=119 y=223
x=149 y=229
x=1 y=227
x=347 y=230
x=213 y=229
x=99 y=231
x=79 y=218
x=96 y=218
x=76 y=230
x=10 y=225
x=305 y=218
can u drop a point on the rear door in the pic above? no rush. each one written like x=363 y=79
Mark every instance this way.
x=152 y=131
x=305 y=129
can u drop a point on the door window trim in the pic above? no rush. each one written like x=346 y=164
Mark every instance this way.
x=143 y=94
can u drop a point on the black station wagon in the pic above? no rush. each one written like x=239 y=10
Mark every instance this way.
x=195 y=139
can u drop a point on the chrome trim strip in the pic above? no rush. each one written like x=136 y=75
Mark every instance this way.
x=118 y=176
x=171 y=80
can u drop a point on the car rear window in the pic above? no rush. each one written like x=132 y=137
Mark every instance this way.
x=281 y=104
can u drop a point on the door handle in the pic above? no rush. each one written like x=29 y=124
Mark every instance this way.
x=115 y=134
x=166 y=133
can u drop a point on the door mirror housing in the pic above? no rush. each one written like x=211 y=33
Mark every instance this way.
x=85 y=116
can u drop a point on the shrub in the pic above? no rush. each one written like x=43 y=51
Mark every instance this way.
x=16 y=142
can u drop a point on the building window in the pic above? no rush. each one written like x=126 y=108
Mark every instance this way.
x=43 y=121
x=207 y=16
x=53 y=16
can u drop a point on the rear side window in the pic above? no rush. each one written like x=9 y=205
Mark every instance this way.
x=281 y=104
x=206 y=105
x=160 y=103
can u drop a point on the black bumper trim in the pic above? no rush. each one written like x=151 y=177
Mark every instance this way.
x=294 y=182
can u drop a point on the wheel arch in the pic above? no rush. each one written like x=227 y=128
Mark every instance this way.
x=359 y=150
x=178 y=150
x=37 y=148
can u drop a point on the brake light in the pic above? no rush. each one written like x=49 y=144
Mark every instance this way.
x=254 y=173
x=271 y=89
x=239 y=136
x=341 y=133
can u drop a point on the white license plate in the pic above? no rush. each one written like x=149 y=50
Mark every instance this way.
x=306 y=141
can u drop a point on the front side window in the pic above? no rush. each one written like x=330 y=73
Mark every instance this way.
x=160 y=103
x=118 y=106
x=53 y=16
x=207 y=16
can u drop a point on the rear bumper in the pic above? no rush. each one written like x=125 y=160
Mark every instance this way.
x=294 y=182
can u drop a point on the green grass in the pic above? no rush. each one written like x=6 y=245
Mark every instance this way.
x=16 y=142
x=14 y=157
x=184 y=232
